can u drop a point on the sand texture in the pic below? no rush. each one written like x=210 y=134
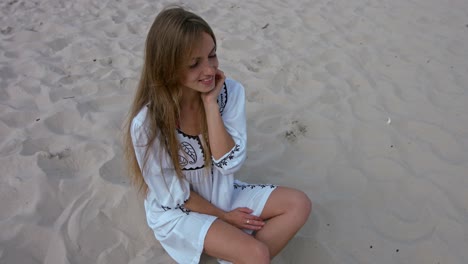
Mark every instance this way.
x=361 y=104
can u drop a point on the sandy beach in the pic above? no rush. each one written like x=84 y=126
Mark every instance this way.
x=363 y=105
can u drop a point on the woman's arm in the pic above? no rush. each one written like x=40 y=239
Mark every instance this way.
x=239 y=217
x=226 y=124
x=221 y=141
x=199 y=204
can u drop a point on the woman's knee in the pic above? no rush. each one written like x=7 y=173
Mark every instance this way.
x=228 y=242
x=288 y=201
x=256 y=252
x=300 y=204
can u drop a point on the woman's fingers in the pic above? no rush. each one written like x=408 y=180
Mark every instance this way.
x=245 y=210
x=219 y=78
x=212 y=96
x=253 y=223
x=249 y=211
x=245 y=220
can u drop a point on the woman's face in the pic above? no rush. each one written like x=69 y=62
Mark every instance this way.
x=200 y=70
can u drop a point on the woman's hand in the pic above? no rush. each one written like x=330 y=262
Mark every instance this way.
x=242 y=218
x=212 y=96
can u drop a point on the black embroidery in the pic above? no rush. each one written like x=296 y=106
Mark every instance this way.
x=182 y=161
x=252 y=186
x=187 y=135
x=212 y=177
x=179 y=206
x=196 y=168
x=188 y=149
x=182 y=208
x=224 y=161
x=222 y=99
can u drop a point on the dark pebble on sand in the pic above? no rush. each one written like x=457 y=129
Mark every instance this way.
x=94 y=60
x=371 y=246
x=397 y=250
x=38 y=119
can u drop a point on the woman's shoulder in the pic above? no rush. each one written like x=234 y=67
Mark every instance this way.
x=233 y=85
x=233 y=90
x=231 y=94
x=140 y=119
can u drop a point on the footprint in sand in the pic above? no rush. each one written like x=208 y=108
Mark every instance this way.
x=58 y=44
x=6 y=74
x=113 y=170
x=102 y=104
x=96 y=226
x=19 y=119
x=12 y=195
x=268 y=125
x=30 y=86
x=4 y=96
x=119 y=17
x=66 y=122
x=239 y=44
x=51 y=145
x=77 y=161
x=32 y=146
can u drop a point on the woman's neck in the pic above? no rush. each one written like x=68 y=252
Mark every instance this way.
x=190 y=100
x=190 y=112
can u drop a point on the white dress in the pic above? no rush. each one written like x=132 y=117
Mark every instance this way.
x=180 y=231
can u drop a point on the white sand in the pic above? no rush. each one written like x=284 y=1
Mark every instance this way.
x=322 y=79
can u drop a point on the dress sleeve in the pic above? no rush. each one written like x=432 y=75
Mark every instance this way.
x=168 y=190
x=232 y=108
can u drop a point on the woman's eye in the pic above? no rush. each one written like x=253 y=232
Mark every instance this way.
x=212 y=56
x=194 y=65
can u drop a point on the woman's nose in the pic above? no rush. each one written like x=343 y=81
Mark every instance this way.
x=209 y=68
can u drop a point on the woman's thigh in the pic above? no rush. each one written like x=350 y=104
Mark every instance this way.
x=227 y=242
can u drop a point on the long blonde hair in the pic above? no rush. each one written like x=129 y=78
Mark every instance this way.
x=168 y=46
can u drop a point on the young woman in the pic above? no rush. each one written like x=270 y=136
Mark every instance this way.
x=185 y=139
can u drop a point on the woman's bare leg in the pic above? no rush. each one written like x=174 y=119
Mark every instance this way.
x=227 y=242
x=287 y=211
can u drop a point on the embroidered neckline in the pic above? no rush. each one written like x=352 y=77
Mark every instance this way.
x=188 y=145
x=222 y=99
x=187 y=135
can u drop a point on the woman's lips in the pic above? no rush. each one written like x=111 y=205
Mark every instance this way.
x=207 y=81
